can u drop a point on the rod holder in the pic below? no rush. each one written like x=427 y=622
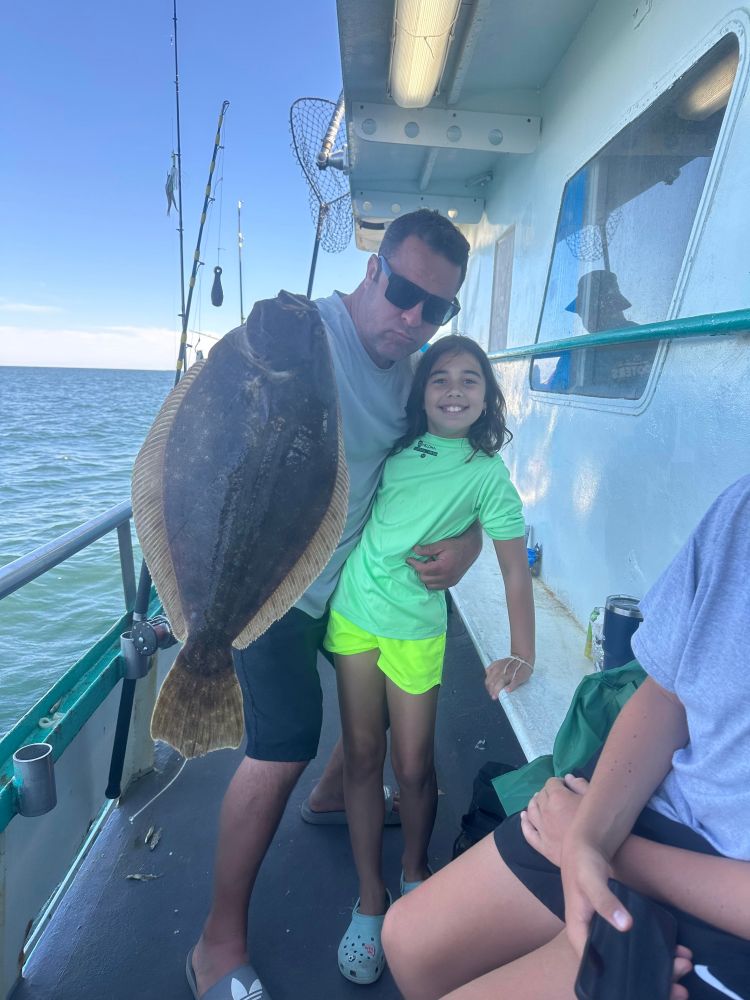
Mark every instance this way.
x=137 y=664
x=34 y=779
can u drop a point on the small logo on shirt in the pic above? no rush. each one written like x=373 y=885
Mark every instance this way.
x=425 y=449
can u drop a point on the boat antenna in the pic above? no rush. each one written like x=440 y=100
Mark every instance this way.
x=240 y=243
x=179 y=165
x=181 y=357
x=319 y=144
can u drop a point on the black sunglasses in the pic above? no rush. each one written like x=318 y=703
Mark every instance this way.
x=404 y=294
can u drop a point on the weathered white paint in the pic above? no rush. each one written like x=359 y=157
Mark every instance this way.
x=612 y=490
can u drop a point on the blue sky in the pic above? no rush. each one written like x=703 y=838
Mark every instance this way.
x=89 y=263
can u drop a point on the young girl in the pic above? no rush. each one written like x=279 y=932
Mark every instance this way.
x=388 y=632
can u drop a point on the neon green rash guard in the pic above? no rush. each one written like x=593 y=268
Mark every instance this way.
x=428 y=493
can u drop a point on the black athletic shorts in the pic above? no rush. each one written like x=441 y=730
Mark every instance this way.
x=717 y=956
x=281 y=691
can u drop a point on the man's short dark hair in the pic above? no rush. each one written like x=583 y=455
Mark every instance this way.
x=432 y=228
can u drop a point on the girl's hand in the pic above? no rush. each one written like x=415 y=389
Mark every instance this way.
x=585 y=873
x=549 y=814
x=680 y=967
x=506 y=674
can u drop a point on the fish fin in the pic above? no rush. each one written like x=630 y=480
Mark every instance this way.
x=199 y=710
x=148 y=503
x=313 y=560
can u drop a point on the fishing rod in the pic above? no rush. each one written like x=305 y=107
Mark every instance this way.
x=180 y=229
x=240 y=243
x=196 y=256
x=139 y=643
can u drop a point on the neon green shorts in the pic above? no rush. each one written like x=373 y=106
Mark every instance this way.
x=414 y=665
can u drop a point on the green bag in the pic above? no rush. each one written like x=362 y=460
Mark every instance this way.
x=595 y=706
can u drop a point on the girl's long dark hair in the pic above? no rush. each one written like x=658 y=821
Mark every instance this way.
x=488 y=433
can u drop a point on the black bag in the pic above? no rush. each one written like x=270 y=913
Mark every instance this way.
x=485 y=811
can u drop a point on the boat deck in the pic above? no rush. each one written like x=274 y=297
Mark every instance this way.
x=120 y=938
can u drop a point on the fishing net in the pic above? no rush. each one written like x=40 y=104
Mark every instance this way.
x=318 y=128
x=590 y=243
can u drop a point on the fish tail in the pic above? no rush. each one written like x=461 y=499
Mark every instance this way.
x=199 y=710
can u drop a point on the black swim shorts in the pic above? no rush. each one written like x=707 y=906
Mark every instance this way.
x=718 y=957
x=281 y=690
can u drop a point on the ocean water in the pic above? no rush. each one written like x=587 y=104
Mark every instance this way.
x=68 y=439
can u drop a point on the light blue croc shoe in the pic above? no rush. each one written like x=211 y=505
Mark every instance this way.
x=407 y=887
x=361 y=955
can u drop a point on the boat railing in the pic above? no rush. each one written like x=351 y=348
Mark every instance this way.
x=78 y=718
x=709 y=325
x=58 y=716
x=22 y=571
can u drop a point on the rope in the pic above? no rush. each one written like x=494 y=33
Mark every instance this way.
x=155 y=797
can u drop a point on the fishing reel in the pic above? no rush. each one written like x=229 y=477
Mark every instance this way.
x=140 y=643
x=152 y=634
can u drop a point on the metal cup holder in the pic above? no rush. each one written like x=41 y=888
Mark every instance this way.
x=34 y=779
x=136 y=664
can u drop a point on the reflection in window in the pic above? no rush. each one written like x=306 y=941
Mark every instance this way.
x=624 y=224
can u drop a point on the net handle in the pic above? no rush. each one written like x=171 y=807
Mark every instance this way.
x=331 y=132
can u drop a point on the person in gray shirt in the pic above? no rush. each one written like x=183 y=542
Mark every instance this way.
x=408 y=292
x=667 y=813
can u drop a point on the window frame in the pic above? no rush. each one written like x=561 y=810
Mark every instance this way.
x=737 y=24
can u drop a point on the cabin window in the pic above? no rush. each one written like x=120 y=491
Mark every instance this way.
x=623 y=227
x=501 y=284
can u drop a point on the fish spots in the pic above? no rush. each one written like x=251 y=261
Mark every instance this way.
x=300 y=448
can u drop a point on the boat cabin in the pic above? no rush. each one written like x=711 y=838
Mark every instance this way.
x=595 y=153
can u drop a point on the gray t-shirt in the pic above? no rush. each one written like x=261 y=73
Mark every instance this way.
x=695 y=641
x=372 y=402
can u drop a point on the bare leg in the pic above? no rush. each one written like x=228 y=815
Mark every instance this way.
x=328 y=794
x=467 y=920
x=548 y=973
x=252 y=809
x=361 y=687
x=413 y=756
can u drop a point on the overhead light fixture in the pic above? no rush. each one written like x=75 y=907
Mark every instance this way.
x=422 y=33
x=711 y=91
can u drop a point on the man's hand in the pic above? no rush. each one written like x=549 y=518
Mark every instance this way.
x=506 y=675
x=548 y=816
x=448 y=560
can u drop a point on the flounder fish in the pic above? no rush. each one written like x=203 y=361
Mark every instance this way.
x=239 y=499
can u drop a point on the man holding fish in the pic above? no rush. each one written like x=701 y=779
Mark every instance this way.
x=408 y=292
